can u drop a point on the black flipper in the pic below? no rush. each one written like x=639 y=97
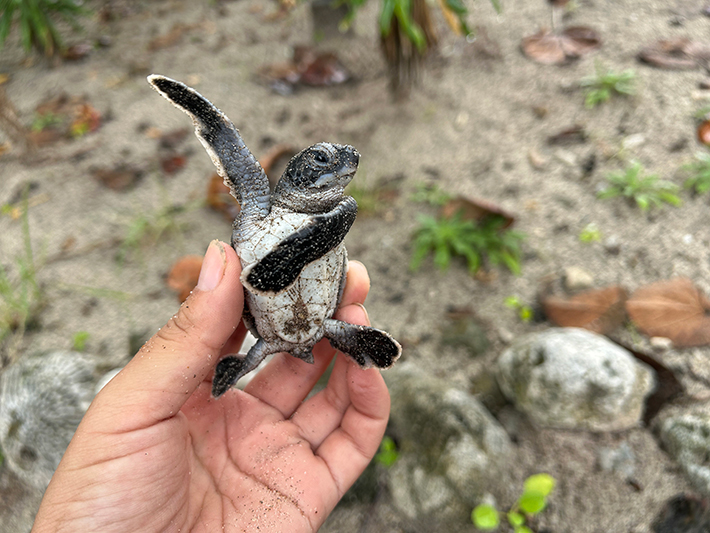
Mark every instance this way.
x=233 y=367
x=280 y=268
x=235 y=163
x=368 y=347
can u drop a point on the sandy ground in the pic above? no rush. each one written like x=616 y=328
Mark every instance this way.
x=468 y=128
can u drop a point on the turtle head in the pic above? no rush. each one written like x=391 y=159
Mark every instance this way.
x=316 y=177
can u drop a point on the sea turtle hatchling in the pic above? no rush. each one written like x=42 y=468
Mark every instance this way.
x=290 y=244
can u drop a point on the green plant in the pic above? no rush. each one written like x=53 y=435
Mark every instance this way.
x=532 y=501
x=45 y=120
x=430 y=194
x=646 y=191
x=603 y=85
x=21 y=298
x=148 y=229
x=79 y=340
x=525 y=312
x=699 y=181
x=590 y=233
x=448 y=237
x=35 y=21
x=388 y=453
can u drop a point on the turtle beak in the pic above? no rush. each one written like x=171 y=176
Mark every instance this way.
x=342 y=176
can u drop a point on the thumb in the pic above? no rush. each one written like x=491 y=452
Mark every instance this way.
x=172 y=364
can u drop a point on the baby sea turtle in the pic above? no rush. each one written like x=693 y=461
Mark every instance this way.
x=290 y=243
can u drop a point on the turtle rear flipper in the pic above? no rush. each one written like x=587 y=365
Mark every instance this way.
x=368 y=347
x=278 y=269
x=235 y=163
x=233 y=367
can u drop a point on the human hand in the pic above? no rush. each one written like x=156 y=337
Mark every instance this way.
x=155 y=452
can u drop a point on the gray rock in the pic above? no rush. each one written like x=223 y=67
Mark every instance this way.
x=42 y=401
x=450 y=446
x=685 y=433
x=572 y=378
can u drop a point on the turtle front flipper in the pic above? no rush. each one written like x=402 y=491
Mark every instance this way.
x=368 y=347
x=240 y=170
x=279 y=268
x=233 y=367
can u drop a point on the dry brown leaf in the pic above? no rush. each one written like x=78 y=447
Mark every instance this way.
x=307 y=67
x=184 y=274
x=675 y=309
x=173 y=163
x=120 y=178
x=704 y=132
x=220 y=199
x=598 y=310
x=555 y=48
x=574 y=134
x=476 y=209
x=675 y=54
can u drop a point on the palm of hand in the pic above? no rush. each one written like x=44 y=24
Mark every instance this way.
x=156 y=452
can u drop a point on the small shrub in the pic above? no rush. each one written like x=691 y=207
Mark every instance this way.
x=79 y=340
x=602 y=86
x=532 y=501
x=388 y=453
x=525 y=312
x=35 y=21
x=448 y=237
x=590 y=233
x=647 y=191
x=21 y=298
x=699 y=180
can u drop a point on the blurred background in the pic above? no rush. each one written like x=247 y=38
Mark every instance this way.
x=527 y=167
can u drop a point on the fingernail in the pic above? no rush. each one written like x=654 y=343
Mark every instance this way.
x=367 y=317
x=212 y=267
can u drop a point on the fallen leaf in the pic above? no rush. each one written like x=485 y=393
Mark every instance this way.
x=476 y=209
x=171 y=38
x=173 y=163
x=86 y=119
x=121 y=178
x=76 y=52
x=169 y=140
x=704 y=132
x=571 y=135
x=675 y=309
x=598 y=310
x=675 y=54
x=555 y=48
x=45 y=136
x=220 y=199
x=184 y=274
x=307 y=67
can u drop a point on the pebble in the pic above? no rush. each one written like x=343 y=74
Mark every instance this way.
x=576 y=278
x=661 y=344
x=612 y=245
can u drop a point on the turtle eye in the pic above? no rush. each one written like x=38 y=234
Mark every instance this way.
x=320 y=158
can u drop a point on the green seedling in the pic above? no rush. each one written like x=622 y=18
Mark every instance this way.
x=21 y=299
x=590 y=233
x=36 y=24
x=599 y=88
x=525 y=312
x=448 y=237
x=532 y=501
x=46 y=120
x=699 y=180
x=147 y=229
x=646 y=190
x=430 y=194
x=79 y=340
x=388 y=453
